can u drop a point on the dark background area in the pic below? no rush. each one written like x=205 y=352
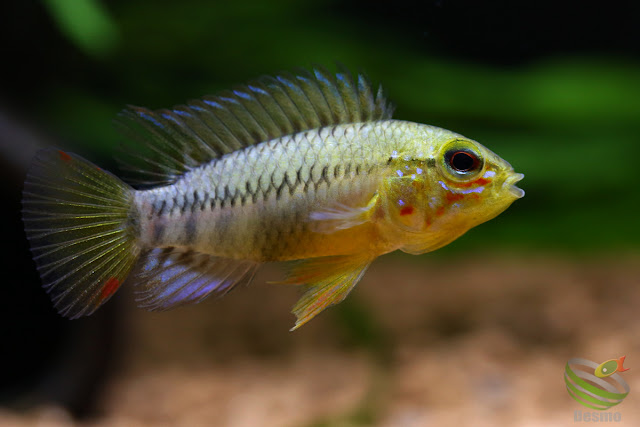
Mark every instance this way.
x=552 y=87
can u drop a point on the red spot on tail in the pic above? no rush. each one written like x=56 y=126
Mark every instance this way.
x=110 y=287
x=407 y=210
x=64 y=156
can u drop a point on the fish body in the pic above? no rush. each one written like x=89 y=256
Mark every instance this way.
x=308 y=168
x=610 y=367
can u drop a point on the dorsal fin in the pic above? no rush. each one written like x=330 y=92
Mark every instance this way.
x=172 y=142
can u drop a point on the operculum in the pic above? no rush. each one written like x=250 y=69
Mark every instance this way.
x=406 y=202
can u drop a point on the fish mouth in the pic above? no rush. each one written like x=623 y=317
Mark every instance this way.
x=510 y=183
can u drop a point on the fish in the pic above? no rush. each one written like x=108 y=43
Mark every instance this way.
x=307 y=167
x=610 y=367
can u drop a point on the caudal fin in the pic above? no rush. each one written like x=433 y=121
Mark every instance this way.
x=80 y=228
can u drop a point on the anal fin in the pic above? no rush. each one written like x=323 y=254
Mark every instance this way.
x=171 y=277
x=329 y=280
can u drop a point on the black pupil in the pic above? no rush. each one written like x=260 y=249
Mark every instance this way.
x=462 y=161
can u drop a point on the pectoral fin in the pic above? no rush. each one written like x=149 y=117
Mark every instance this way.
x=340 y=217
x=329 y=280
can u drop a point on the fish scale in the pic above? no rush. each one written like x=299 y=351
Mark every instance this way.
x=307 y=167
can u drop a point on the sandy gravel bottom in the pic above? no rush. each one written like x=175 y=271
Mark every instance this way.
x=421 y=342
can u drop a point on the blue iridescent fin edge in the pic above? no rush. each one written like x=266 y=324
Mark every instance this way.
x=171 y=277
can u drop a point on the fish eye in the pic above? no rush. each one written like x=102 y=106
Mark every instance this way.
x=461 y=159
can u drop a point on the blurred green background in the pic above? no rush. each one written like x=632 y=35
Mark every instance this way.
x=554 y=89
x=566 y=116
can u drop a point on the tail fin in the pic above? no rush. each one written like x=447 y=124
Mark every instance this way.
x=78 y=219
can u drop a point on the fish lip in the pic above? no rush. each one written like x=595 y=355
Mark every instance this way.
x=511 y=187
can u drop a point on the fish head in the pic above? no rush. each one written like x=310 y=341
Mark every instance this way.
x=474 y=184
x=468 y=185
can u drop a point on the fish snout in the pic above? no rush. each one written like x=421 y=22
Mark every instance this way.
x=510 y=182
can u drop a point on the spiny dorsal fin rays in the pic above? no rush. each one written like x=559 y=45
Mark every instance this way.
x=156 y=157
x=178 y=140
x=346 y=85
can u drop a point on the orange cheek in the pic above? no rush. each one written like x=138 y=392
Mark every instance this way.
x=453 y=197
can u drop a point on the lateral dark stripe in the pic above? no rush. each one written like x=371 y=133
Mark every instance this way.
x=190 y=230
x=159 y=227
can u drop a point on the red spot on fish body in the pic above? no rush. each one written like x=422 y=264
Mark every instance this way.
x=64 y=156
x=482 y=181
x=440 y=211
x=407 y=210
x=454 y=197
x=479 y=181
x=110 y=287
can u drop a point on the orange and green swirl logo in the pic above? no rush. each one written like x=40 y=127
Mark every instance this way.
x=596 y=386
